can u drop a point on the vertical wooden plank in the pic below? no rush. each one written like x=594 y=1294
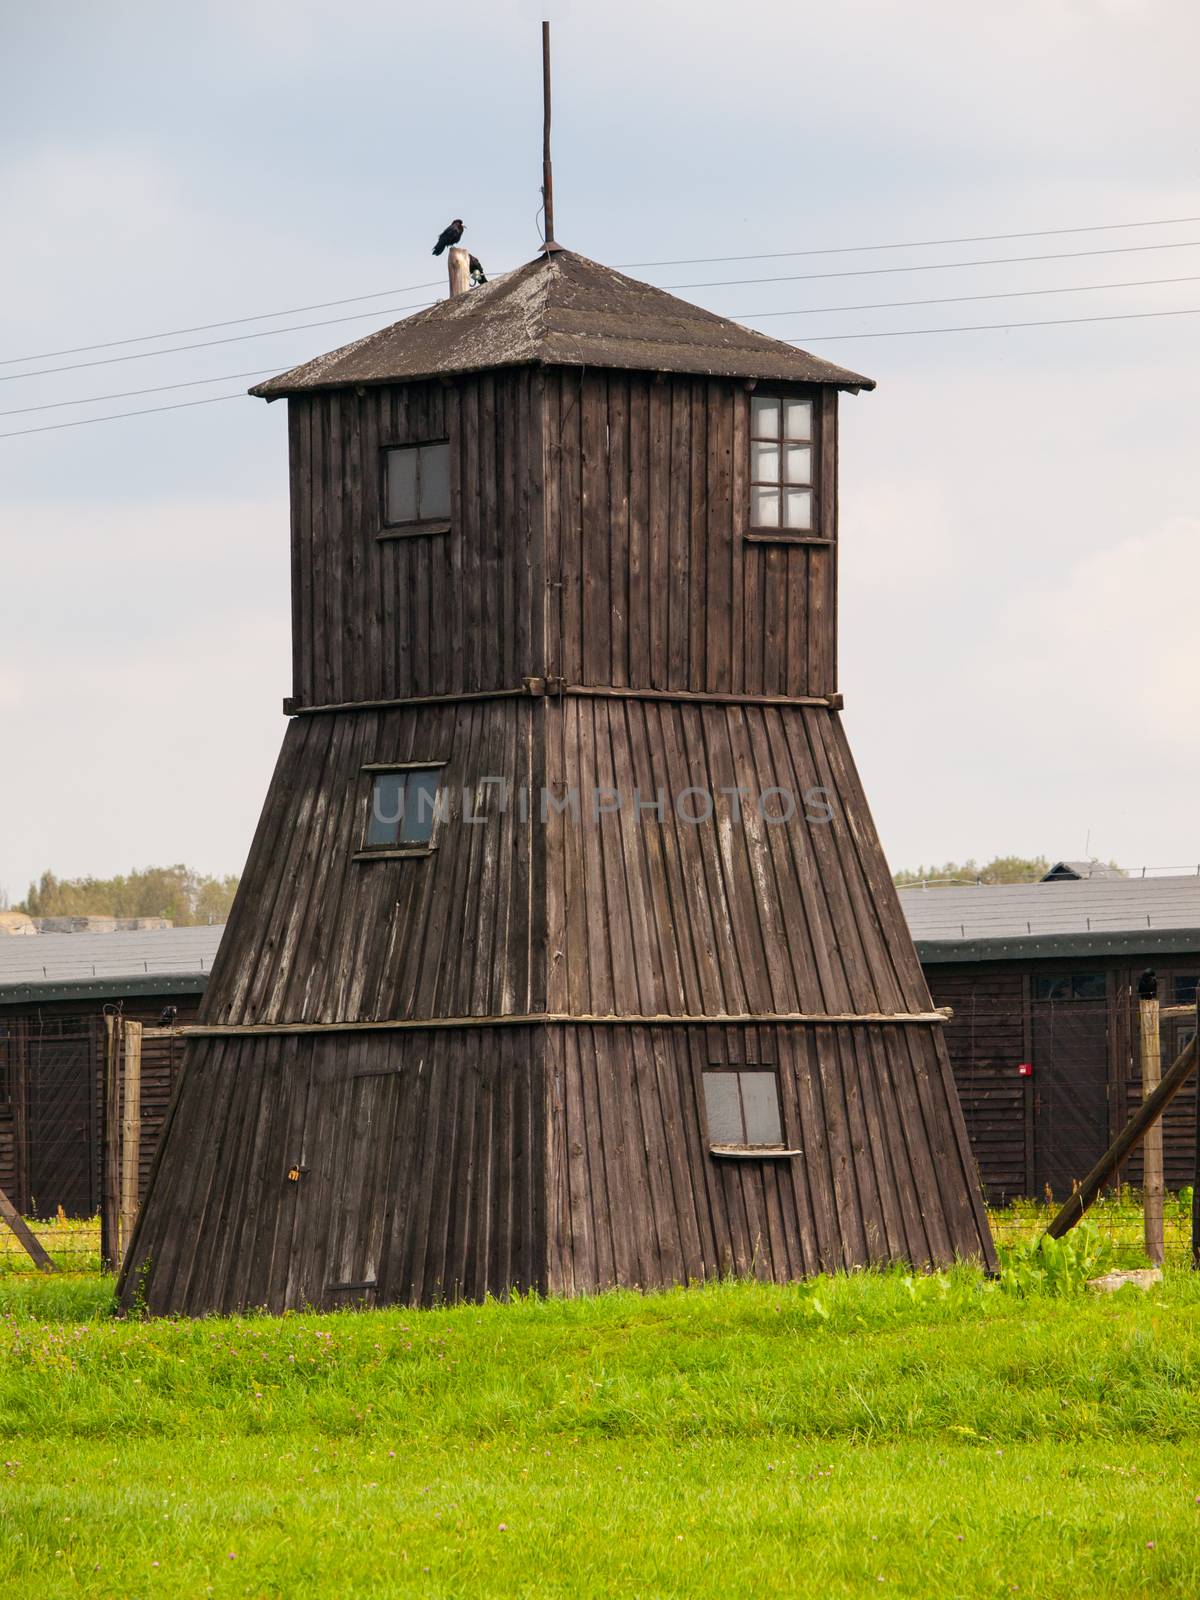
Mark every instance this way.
x=739 y=550
x=622 y=555
x=682 y=601
x=110 y=1200
x=131 y=1129
x=598 y=595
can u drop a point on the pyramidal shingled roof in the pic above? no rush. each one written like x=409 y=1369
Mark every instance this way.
x=561 y=310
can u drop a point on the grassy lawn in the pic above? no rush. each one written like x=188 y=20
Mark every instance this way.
x=879 y=1434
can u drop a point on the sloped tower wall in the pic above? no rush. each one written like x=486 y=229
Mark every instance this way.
x=485 y=1065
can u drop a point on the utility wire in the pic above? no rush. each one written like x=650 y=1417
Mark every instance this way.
x=1003 y=327
x=116 y=416
x=129 y=394
x=230 y=322
x=912 y=244
x=204 y=344
x=939 y=266
x=803 y=311
x=682 y=261
x=956 y=299
x=385 y=311
x=821 y=338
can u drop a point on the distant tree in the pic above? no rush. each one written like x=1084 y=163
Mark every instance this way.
x=1000 y=869
x=180 y=893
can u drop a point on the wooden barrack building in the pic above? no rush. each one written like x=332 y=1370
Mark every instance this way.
x=566 y=954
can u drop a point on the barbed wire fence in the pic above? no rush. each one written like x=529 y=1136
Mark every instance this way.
x=82 y=1101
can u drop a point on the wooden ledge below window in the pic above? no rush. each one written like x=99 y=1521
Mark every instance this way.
x=744 y=1152
x=412 y=530
x=764 y=536
x=401 y=853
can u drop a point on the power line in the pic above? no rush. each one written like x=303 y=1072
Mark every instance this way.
x=261 y=372
x=682 y=261
x=129 y=394
x=204 y=344
x=822 y=338
x=912 y=244
x=206 y=327
x=939 y=266
x=385 y=311
x=956 y=299
x=1002 y=327
x=116 y=416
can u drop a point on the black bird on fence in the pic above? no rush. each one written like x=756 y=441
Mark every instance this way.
x=1148 y=985
x=449 y=236
x=478 y=275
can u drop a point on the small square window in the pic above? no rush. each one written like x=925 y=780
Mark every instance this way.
x=742 y=1107
x=404 y=807
x=781 y=464
x=417 y=487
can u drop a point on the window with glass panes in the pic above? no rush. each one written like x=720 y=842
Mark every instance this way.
x=781 y=465
x=404 y=808
x=417 y=484
x=742 y=1107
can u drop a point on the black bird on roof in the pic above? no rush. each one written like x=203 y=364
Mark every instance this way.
x=478 y=275
x=448 y=236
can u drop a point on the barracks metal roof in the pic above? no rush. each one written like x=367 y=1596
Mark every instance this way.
x=1100 y=915
x=66 y=966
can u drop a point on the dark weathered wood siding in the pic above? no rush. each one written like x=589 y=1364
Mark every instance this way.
x=609 y=550
x=416 y=614
x=635 y=1197
x=597 y=564
x=317 y=936
x=421 y=1173
x=718 y=916
x=1054 y=1126
x=647 y=503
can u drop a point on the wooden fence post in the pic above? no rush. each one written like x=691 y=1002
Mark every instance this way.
x=1152 y=1148
x=110 y=1177
x=131 y=1131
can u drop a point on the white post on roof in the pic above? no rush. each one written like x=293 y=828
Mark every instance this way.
x=459 y=264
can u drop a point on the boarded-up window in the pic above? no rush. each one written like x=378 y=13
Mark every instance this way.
x=418 y=484
x=742 y=1107
x=781 y=465
x=404 y=807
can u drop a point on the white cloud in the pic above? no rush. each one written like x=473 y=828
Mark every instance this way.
x=1113 y=637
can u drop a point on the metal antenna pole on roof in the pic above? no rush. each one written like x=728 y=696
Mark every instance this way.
x=550 y=246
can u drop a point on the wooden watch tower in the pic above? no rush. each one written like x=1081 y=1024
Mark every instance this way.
x=566 y=954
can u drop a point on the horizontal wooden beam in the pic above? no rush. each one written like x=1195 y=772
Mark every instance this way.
x=536 y=688
x=227 y=1030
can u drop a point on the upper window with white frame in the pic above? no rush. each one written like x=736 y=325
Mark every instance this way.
x=417 y=486
x=782 y=502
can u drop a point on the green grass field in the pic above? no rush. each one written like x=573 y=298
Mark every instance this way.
x=879 y=1433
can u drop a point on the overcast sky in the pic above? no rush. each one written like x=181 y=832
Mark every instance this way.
x=1021 y=508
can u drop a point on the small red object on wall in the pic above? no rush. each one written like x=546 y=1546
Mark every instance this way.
x=1025 y=1070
